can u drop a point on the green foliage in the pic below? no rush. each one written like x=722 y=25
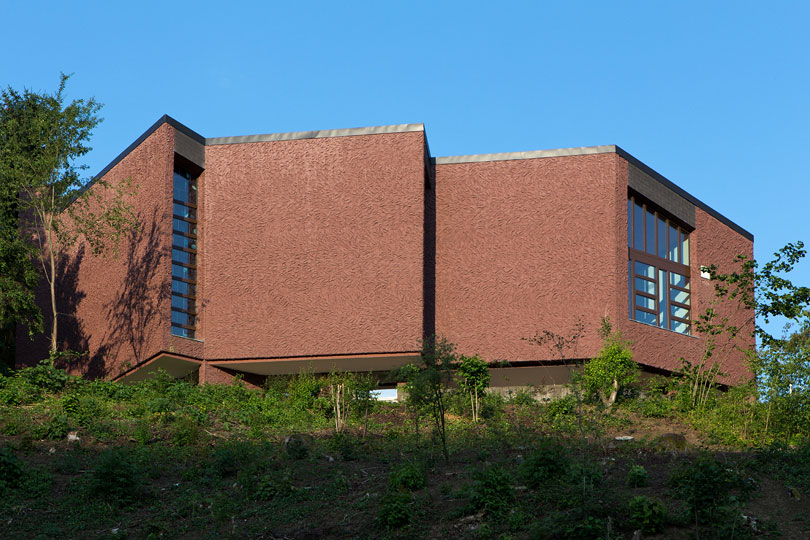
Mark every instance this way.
x=473 y=377
x=11 y=470
x=492 y=493
x=426 y=385
x=548 y=462
x=705 y=485
x=118 y=476
x=647 y=514
x=407 y=476
x=54 y=429
x=396 y=509
x=637 y=476
x=612 y=369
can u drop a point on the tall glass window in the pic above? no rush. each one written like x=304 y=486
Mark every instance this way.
x=659 y=280
x=184 y=256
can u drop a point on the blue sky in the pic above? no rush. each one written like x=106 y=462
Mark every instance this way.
x=713 y=95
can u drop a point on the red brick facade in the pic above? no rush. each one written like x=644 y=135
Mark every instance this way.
x=342 y=249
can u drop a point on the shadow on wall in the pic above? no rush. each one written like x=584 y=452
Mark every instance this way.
x=141 y=298
x=70 y=330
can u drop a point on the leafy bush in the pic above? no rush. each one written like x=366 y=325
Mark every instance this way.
x=118 y=476
x=547 y=462
x=408 y=476
x=647 y=514
x=492 y=492
x=11 y=470
x=705 y=484
x=637 y=476
x=54 y=429
x=396 y=509
x=564 y=406
x=612 y=369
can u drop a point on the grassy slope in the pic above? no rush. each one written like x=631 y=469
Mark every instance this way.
x=173 y=461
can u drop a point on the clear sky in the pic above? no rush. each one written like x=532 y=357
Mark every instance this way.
x=713 y=95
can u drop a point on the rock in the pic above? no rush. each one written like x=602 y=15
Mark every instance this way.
x=674 y=442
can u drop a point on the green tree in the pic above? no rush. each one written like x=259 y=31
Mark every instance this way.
x=41 y=137
x=426 y=384
x=613 y=368
x=473 y=378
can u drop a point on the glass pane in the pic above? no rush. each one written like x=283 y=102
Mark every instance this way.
x=178 y=317
x=662 y=305
x=679 y=296
x=643 y=301
x=645 y=270
x=685 y=248
x=638 y=229
x=629 y=223
x=681 y=313
x=183 y=257
x=180 y=302
x=650 y=233
x=179 y=240
x=184 y=226
x=678 y=280
x=183 y=288
x=184 y=211
x=643 y=316
x=182 y=332
x=674 y=243
x=183 y=272
x=643 y=285
x=662 y=238
x=676 y=326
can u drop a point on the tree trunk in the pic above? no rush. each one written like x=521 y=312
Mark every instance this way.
x=52 y=283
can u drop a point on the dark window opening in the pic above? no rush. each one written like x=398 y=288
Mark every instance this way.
x=184 y=255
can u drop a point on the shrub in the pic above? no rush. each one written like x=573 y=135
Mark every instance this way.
x=396 y=509
x=612 y=369
x=11 y=470
x=54 y=429
x=548 y=461
x=407 y=476
x=492 y=492
x=637 y=476
x=117 y=476
x=564 y=406
x=705 y=485
x=647 y=514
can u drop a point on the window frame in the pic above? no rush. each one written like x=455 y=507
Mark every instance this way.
x=190 y=314
x=663 y=267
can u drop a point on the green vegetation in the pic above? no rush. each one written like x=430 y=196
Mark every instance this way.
x=45 y=206
x=166 y=459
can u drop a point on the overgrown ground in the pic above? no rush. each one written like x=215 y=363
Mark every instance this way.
x=166 y=459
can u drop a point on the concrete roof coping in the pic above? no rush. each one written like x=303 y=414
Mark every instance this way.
x=321 y=134
x=532 y=154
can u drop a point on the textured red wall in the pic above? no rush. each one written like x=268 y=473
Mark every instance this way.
x=531 y=245
x=118 y=308
x=525 y=246
x=312 y=246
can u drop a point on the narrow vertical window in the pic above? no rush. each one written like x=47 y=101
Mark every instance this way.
x=184 y=256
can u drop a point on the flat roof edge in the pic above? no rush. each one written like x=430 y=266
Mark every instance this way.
x=531 y=154
x=692 y=199
x=319 y=134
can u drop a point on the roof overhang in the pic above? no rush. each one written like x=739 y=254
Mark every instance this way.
x=320 y=364
x=176 y=366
